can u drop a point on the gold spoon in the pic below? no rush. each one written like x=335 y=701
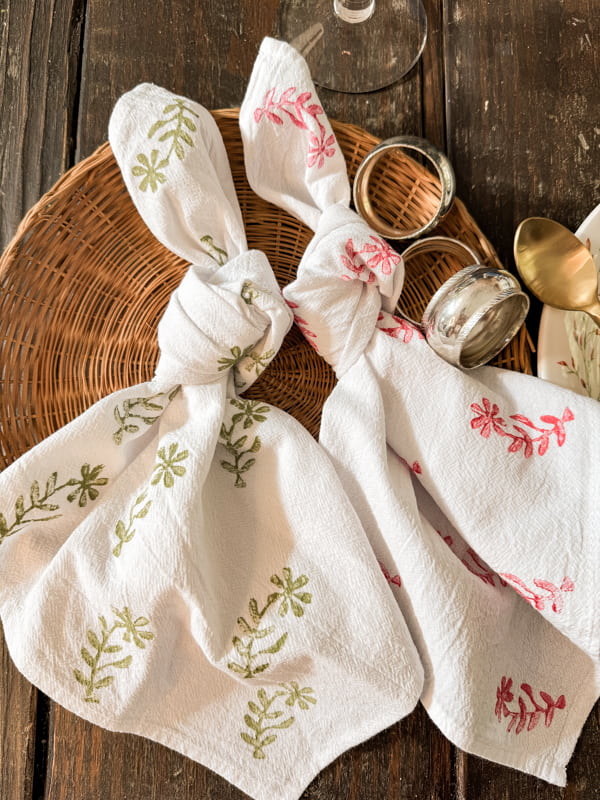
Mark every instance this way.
x=556 y=266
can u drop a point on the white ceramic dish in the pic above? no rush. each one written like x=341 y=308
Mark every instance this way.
x=554 y=357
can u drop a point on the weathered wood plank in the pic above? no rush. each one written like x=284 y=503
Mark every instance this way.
x=17 y=730
x=39 y=49
x=39 y=44
x=522 y=99
x=433 y=69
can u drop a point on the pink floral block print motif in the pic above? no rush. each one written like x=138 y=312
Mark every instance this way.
x=365 y=262
x=529 y=711
x=524 y=435
x=398 y=328
x=300 y=112
x=551 y=593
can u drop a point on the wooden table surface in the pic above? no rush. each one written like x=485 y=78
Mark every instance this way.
x=508 y=89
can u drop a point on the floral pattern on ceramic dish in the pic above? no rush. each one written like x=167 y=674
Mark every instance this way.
x=584 y=342
x=567 y=354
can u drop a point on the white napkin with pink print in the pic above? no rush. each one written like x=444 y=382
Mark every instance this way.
x=181 y=562
x=478 y=490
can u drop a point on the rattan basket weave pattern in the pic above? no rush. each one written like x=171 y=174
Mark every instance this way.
x=83 y=284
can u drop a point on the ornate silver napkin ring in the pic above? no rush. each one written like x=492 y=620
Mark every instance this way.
x=473 y=314
x=360 y=189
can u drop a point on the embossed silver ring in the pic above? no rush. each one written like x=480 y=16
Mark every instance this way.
x=474 y=314
x=360 y=189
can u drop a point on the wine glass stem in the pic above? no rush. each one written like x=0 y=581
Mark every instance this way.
x=354 y=10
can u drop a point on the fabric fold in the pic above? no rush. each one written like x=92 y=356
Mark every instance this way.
x=477 y=490
x=181 y=562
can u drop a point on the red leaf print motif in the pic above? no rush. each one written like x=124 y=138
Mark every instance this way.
x=471 y=560
x=414 y=467
x=394 y=579
x=487 y=420
x=553 y=594
x=525 y=718
x=400 y=329
x=303 y=326
x=300 y=114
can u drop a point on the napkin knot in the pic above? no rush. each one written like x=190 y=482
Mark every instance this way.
x=222 y=321
x=347 y=275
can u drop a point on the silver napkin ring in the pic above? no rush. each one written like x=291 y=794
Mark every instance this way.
x=444 y=245
x=360 y=189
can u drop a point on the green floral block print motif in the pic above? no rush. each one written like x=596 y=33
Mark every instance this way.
x=137 y=411
x=253 y=645
x=289 y=597
x=107 y=654
x=38 y=508
x=166 y=471
x=242 y=448
x=173 y=133
x=168 y=467
x=265 y=716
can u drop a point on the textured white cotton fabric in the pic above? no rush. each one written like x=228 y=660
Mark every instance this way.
x=469 y=485
x=180 y=562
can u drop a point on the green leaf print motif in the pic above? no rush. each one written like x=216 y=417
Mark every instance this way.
x=259 y=361
x=102 y=653
x=216 y=253
x=264 y=717
x=173 y=129
x=166 y=471
x=125 y=533
x=140 y=410
x=250 y=645
x=249 y=293
x=241 y=456
x=37 y=508
x=268 y=713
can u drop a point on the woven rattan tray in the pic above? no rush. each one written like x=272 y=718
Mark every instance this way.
x=83 y=285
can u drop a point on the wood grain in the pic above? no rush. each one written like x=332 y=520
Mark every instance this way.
x=17 y=730
x=39 y=50
x=522 y=111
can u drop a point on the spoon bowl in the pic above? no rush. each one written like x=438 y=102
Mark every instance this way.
x=556 y=267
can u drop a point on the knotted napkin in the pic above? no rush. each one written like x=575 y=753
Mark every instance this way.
x=180 y=562
x=478 y=491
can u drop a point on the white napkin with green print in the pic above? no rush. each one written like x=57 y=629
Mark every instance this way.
x=180 y=562
x=478 y=491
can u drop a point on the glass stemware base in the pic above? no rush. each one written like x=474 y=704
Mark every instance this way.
x=362 y=53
